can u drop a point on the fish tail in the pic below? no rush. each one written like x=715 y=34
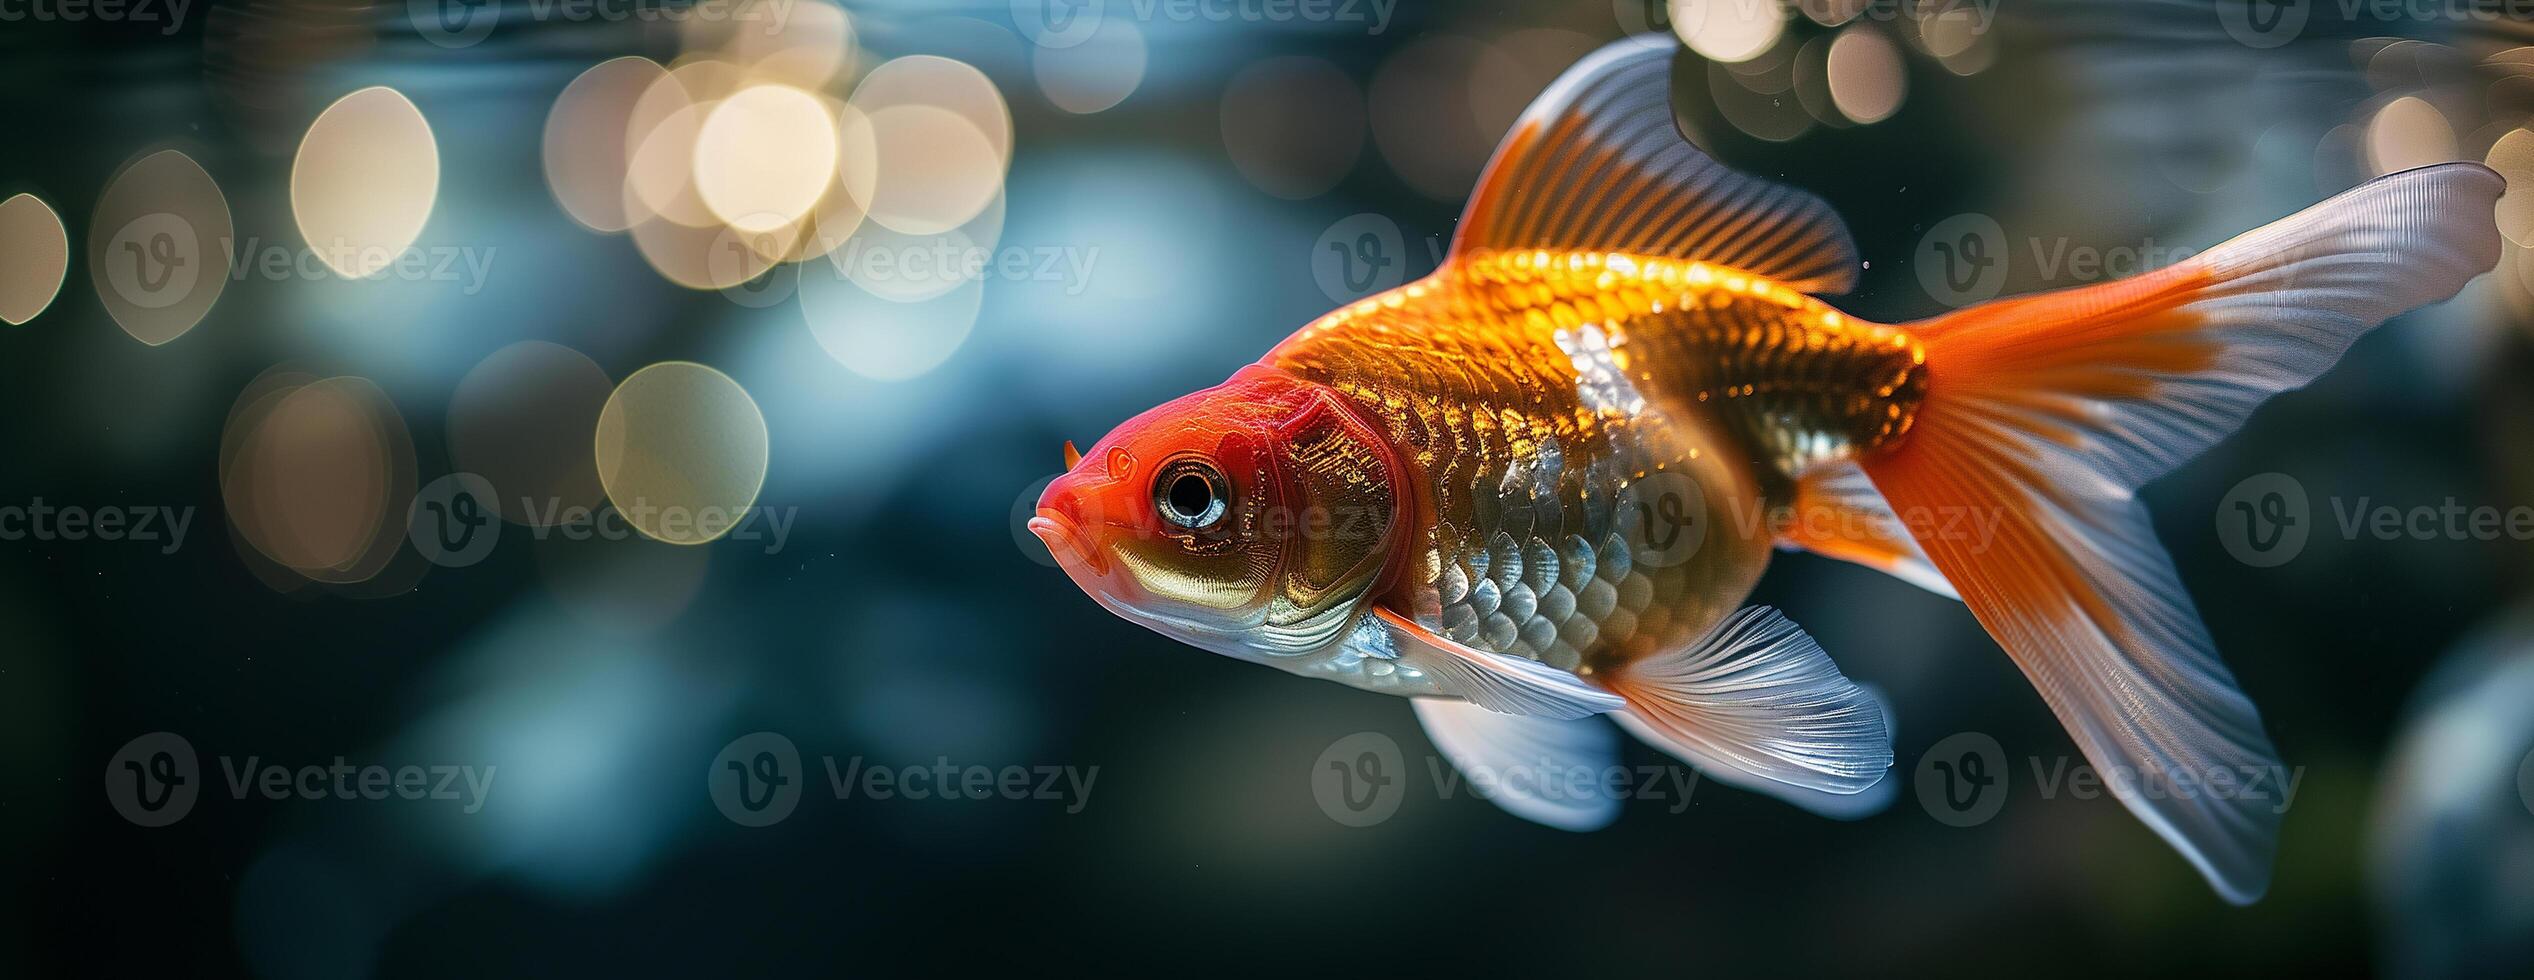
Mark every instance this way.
x=2044 y=414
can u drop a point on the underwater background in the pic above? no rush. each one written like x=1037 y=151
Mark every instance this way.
x=1151 y=193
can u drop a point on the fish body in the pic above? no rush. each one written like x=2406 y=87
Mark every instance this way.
x=1551 y=407
x=1531 y=491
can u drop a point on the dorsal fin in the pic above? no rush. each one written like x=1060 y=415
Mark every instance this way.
x=1596 y=163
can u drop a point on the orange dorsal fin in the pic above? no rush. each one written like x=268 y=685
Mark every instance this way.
x=1598 y=164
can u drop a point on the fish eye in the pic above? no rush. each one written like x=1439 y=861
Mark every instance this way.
x=1192 y=494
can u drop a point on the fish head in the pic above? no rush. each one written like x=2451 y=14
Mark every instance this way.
x=1254 y=519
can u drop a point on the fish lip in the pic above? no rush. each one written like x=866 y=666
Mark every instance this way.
x=1067 y=543
x=1089 y=569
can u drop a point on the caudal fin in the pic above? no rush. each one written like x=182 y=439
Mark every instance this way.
x=2046 y=413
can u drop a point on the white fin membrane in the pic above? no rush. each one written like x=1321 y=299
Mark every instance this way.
x=1757 y=702
x=1545 y=770
x=2049 y=411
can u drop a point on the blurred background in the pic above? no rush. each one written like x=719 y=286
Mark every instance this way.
x=588 y=400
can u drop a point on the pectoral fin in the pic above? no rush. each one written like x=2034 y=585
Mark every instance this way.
x=1510 y=685
x=1543 y=770
x=1757 y=703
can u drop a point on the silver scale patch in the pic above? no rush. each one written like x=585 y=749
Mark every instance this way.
x=1537 y=586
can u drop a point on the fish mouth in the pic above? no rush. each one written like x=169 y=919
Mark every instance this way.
x=1089 y=568
x=1067 y=543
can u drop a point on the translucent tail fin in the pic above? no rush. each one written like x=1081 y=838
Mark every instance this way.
x=2047 y=412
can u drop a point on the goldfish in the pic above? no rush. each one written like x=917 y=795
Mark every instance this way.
x=1533 y=490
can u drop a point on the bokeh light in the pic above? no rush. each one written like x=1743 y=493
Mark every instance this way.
x=586 y=154
x=2408 y=133
x=1811 y=82
x=943 y=83
x=1957 y=35
x=1867 y=78
x=714 y=210
x=764 y=156
x=936 y=170
x=317 y=475
x=2513 y=157
x=681 y=451
x=364 y=181
x=158 y=246
x=845 y=204
x=34 y=256
x=1728 y=30
x=660 y=177
x=742 y=156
